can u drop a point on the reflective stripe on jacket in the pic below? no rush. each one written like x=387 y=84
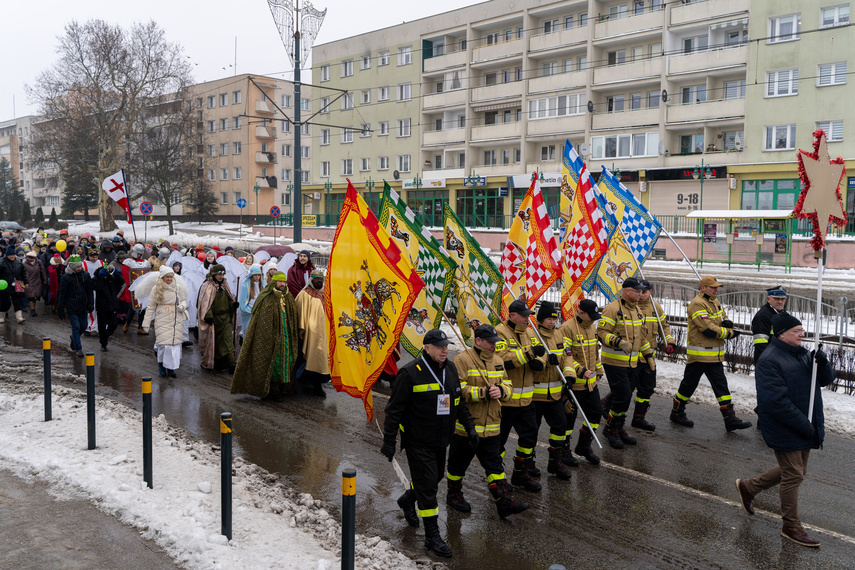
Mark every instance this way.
x=705 y=313
x=548 y=382
x=580 y=337
x=651 y=324
x=515 y=348
x=478 y=371
x=621 y=321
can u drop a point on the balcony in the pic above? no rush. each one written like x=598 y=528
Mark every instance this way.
x=443 y=137
x=263 y=107
x=558 y=81
x=498 y=91
x=497 y=169
x=714 y=159
x=630 y=24
x=455 y=98
x=510 y=48
x=446 y=61
x=496 y=132
x=706 y=61
x=264 y=157
x=265 y=132
x=560 y=39
x=556 y=126
x=266 y=181
x=626 y=119
x=444 y=173
x=705 y=11
x=707 y=111
x=632 y=71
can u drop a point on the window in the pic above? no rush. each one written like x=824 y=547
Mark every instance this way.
x=347 y=68
x=305 y=104
x=833 y=130
x=405 y=55
x=558 y=106
x=831 y=74
x=366 y=96
x=635 y=54
x=490 y=79
x=635 y=101
x=403 y=127
x=780 y=137
x=347 y=167
x=199 y=103
x=286 y=174
x=235 y=97
x=325 y=169
x=692 y=144
x=325 y=73
x=614 y=103
x=211 y=101
x=785 y=28
x=404 y=91
x=489 y=157
x=224 y=197
x=325 y=137
x=616 y=57
x=734 y=89
x=236 y=197
x=698 y=43
x=224 y=174
x=286 y=126
x=383 y=93
x=285 y=198
x=383 y=128
x=365 y=62
x=625 y=146
x=782 y=83
x=224 y=149
x=364 y=164
x=568 y=22
x=347 y=102
x=567 y=65
x=383 y=58
x=224 y=124
x=653 y=99
x=264 y=172
x=236 y=122
x=212 y=150
x=547 y=153
x=224 y=99
x=325 y=105
x=834 y=16
x=304 y=176
x=237 y=173
x=733 y=140
x=304 y=152
x=550 y=26
x=654 y=50
x=212 y=127
x=549 y=68
x=346 y=135
x=286 y=150
x=286 y=101
x=212 y=174
x=583 y=19
x=581 y=63
x=694 y=94
x=616 y=12
x=403 y=162
x=770 y=194
x=365 y=130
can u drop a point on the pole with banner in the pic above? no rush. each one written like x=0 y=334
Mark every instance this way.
x=145 y=209
x=116 y=188
x=274 y=213
x=241 y=204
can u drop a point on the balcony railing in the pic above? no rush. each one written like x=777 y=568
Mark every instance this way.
x=706 y=110
x=263 y=107
x=265 y=157
x=704 y=61
x=265 y=132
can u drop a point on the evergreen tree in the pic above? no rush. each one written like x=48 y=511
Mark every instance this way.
x=13 y=212
x=40 y=216
x=26 y=213
x=53 y=221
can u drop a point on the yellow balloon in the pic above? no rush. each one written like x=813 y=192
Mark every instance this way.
x=61 y=245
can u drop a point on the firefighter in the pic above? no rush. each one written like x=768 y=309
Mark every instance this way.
x=580 y=339
x=621 y=331
x=485 y=386
x=425 y=404
x=761 y=324
x=709 y=327
x=521 y=361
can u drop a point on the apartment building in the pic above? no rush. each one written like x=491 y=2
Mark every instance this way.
x=41 y=186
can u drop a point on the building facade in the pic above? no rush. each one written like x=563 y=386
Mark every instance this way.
x=42 y=186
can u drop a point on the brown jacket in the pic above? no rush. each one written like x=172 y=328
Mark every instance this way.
x=515 y=351
x=548 y=382
x=705 y=313
x=621 y=321
x=651 y=325
x=580 y=338
x=477 y=371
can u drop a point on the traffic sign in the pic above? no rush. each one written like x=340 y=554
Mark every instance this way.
x=146 y=208
x=274 y=211
x=241 y=203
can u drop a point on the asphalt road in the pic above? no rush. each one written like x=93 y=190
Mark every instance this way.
x=668 y=502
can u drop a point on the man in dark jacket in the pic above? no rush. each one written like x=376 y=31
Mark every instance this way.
x=108 y=283
x=761 y=324
x=12 y=270
x=783 y=378
x=426 y=402
x=75 y=297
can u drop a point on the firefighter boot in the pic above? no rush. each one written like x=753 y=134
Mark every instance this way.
x=433 y=541
x=625 y=437
x=407 y=502
x=583 y=448
x=531 y=467
x=678 y=414
x=731 y=422
x=555 y=466
x=638 y=418
x=611 y=432
x=607 y=405
x=521 y=477
x=567 y=455
x=455 y=498
x=503 y=497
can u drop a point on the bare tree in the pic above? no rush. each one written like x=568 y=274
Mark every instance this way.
x=105 y=79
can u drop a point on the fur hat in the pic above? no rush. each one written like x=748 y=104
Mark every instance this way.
x=217 y=269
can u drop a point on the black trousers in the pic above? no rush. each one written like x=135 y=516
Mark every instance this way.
x=12 y=299
x=107 y=323
x=556 y=419
x=427 y=467
x=621 y=382
x=524 y=421
x=714 y=372
x=488 y=452
x=131 y=312
x=591 y=404
x=645 y=383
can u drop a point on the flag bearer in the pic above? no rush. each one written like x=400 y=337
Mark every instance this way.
x=654 y=324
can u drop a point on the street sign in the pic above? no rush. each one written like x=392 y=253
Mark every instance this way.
x=274 y=211
x=241 y=203
x=146 y=208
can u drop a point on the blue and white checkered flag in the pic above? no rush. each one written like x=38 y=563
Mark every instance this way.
x=640 y=228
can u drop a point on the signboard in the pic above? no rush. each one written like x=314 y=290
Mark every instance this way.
x=547 y=179
x=241 y=203
x=773 y=226
x=709 y=232
x=274 y=212
x=477 y=181
x=781 y=243
x=424 y=184
x=146 y=208
x=679 y=198
x=310 y=220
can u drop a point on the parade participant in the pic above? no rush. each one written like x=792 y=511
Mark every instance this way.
x=521 y=360
x=230 y=251
x=655 y=324
x=76 y=298
x=548 y=389
x=269 y=351
x=125 y=245
x=210 y=260
x=140 y=265
x=216 y=306
x=12 y=272
x=55 y=270
x=314 y=346
x=36 y=280
x=177 y=267
x=425 y=406
x=783 y=380
x=167 y=305
x=118 y=245
x=107 y=252
x=270 y=268
x=92 y=264
x=708 y=329
x=580 y=338
x=249 y=291
x=621 y=332
x=761 y=324
x=485 y=386
x=107 y=284
x=249 y=260
x=298 y=274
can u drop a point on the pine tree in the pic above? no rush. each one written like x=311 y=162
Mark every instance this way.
x=26 y=213
x=53 y=221
x=40 y=216
x=13 y=212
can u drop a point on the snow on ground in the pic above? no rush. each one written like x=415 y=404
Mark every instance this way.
x=274 y=526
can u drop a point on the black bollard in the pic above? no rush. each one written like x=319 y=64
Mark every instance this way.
x=90 y=397
x=146 y=431
x=46 y=356
x=226 y=472
x=348 y=518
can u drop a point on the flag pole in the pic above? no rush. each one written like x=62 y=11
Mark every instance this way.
x=130 y=215
x=816 y=345
x=472 y=286
x=682 y=252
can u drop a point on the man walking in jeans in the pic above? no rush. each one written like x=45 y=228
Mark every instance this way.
x=76 y=298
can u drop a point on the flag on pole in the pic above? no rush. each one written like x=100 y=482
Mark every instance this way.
x=430 y=261
x=371 y=287
x=585 y=234
x=531 y=260
x=477 y=292
x=114 y=186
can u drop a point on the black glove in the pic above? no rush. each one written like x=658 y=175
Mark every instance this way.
x=809 y=434
x=538 y=350
x=235 y=305
x=536 y=365
x=733 y=333
x=509 y=365
x=820 y=356
x=388 y=449
x=552 y=359
x=670 y=348
x=210 y=321
x=727 y=323
x=473 y=438
x=709 y=333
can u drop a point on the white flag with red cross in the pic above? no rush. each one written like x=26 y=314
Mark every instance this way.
x=114 y=186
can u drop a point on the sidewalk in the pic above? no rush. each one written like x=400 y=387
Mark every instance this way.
x=40 y=531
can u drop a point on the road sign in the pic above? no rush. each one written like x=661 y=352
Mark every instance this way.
x=274 y=211
x=241 y=203
x=146 y=208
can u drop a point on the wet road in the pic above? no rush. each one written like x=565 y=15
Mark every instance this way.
x=667 y=503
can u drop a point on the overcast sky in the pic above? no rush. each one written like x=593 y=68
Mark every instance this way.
x=206 y=29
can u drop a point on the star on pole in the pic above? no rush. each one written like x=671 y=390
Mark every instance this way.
x=821 y=198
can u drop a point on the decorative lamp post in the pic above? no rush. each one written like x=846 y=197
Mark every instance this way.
x=701 y=173
x=290 y=189
x=369 y=186
x=328 y=186
x=256 y=189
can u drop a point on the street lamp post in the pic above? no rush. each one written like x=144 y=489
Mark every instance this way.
x=327 y=186
x=369 y=186
x=256 y=189
x=701 y=173
x=290 y=189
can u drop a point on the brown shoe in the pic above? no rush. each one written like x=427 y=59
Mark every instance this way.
x=797 y=534
x=744 y=497
x=126 y=327
x=141 y=331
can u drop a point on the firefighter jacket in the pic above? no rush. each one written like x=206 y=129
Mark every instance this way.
x=415 y=404
x=705 y=315
x=548 y=382
x=515 y=351
x=622 y=321
x=651 y=323
x=761 y=328
x=580 y=339
x=479 y=370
